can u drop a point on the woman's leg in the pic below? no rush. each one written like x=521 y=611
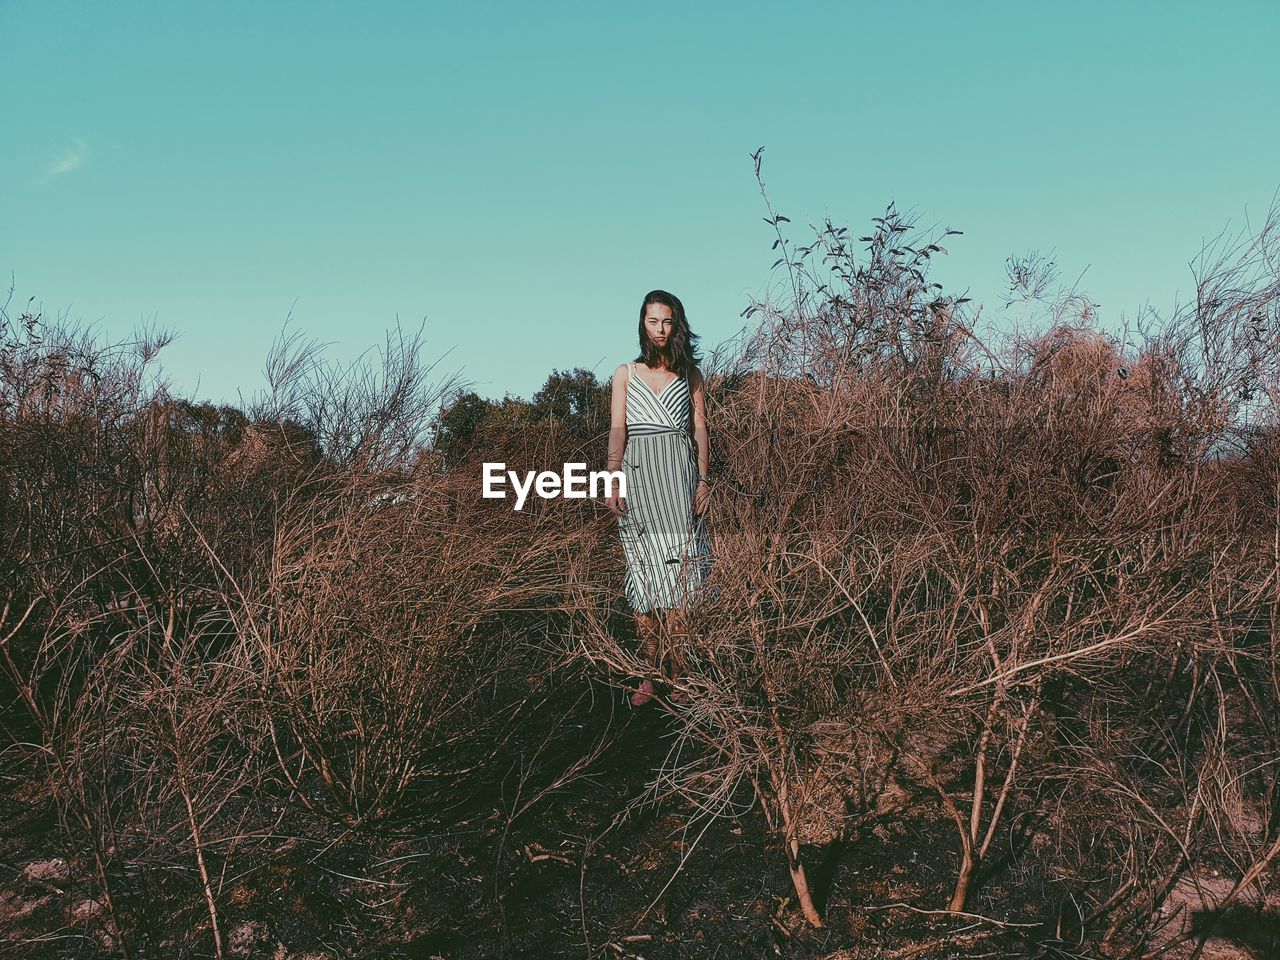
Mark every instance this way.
x=677 y=637
x=647 y=632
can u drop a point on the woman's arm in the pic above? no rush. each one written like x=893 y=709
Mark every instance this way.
x=618 y=418
x=700 y=436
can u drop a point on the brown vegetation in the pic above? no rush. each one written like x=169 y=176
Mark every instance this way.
x=1017 y=595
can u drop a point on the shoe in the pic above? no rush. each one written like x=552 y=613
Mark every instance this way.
x=643 y=695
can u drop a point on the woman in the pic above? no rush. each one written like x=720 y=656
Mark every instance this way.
x=658 y=439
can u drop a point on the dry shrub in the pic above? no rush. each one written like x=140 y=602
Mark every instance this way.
x=133 y=701
x=403 y=629
x=204 y=606
x=973 y=568
x=400 y=637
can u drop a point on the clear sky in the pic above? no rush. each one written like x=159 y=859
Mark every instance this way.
x=518 y=175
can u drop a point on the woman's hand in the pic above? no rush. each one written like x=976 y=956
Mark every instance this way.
x=701 y=498
x=617 y=504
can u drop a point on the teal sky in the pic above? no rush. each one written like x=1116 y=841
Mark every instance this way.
x=518 y=175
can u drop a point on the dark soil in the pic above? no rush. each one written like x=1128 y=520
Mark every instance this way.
x=583 y=871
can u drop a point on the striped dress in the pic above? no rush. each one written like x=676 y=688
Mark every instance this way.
x=667 y=549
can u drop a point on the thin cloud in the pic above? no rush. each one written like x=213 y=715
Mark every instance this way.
x=69 y=161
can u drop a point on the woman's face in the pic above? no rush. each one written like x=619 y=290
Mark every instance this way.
x=658 y=322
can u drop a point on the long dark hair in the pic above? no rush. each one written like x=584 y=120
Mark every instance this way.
x=681 y=351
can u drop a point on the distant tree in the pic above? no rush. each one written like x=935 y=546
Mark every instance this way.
x=458 y=426
x=573 y=401
x=574 y=397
